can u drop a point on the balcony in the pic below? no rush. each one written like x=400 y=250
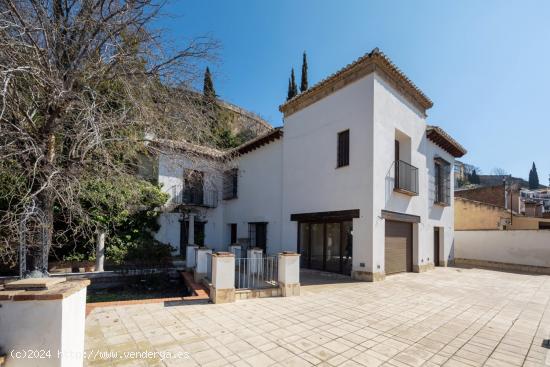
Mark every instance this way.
x=181 y=195
x=406 y=178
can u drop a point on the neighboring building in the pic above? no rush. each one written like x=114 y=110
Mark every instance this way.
x=496 y=195
x=535 y=202
x=476 y=215
x=531 y=203
x=356 y=181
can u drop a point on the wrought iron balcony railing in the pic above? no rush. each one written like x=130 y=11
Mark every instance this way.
x=406 y=178
x=181 y=195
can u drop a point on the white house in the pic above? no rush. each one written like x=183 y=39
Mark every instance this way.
x=356 y=181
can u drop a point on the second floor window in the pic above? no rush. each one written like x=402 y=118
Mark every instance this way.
x=343 y=149
x=442 y=182
x=230 y=184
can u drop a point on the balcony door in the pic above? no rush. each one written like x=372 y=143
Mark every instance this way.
x=193 y=187
x=326 y=246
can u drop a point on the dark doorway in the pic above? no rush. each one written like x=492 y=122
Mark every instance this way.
x=257 y=232
x=184 y=235
x=436 y=246
x=233 y=229
x=326 y=246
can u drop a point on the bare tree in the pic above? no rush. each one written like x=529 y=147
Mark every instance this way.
x=82 y=84
x=497 y=171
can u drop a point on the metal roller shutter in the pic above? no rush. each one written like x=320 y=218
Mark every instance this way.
x=398 y=245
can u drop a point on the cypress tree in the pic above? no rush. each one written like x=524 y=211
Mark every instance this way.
x=289 y=92
x=303 y=84
x=292 y=87
x=208 y=86
x=533 y=178
x=293 y=84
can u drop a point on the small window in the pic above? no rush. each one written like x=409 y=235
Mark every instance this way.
x=442 y=182
x=258 y=234
x=343 y=148
x=230 y=183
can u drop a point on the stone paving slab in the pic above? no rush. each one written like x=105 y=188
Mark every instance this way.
x=446 y=317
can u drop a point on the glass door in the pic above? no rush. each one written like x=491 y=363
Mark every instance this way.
x=326 y=246
x=317 y=246
x=333 y=251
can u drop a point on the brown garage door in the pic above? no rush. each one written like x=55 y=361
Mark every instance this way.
x=398 y=247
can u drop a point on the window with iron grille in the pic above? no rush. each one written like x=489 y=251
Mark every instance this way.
x=442 y=182
x=343 y=148
x=230 y=184
x=257 y=233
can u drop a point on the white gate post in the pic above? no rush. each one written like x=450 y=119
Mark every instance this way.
x=49 y=321
x=289 y=273
x=201 y=266
x=223 y=278
x=190 y=256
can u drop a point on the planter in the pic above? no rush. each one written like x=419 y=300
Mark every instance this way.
x=71 y=267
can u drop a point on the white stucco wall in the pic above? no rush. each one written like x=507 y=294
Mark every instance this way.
x=55 y=326
x=171 y=173
x=299 y=174
x=524 y=247
x=375 y=113
x=259 y=195
x=395 y=116
x=311 y=180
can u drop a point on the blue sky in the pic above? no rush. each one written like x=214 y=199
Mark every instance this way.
x=485 y=64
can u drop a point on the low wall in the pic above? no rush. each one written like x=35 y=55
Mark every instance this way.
x=528 y=250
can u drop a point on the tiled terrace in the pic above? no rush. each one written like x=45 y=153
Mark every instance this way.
x=449 y=317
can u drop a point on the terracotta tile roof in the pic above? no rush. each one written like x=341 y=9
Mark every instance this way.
x=445 y=141
x=184 y=146
x=368 y=63
x=259 y=141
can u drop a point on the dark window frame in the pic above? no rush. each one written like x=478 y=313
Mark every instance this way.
x=442 y=182
x=342 y=151
x=231 y=184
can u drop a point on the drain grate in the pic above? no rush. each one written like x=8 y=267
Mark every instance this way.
x=546 y=343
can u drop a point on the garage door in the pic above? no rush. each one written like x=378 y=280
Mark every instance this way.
x=398 y=247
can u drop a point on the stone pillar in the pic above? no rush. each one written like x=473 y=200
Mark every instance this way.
x=49 y=319
x=100 y=251
x=289 y=273
x=222 y=289
x=201 y=262
x=191 y=229
x=236 y=250
x=190 y=256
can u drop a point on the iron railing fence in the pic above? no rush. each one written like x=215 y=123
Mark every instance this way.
x=180 y=195
x=256 y=272
x=406 y=177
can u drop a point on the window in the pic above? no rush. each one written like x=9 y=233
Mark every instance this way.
x=230 y=181
x=193 y=192
x=442 y=182
x=343 y=148
x=233 y=229
x=257 y=233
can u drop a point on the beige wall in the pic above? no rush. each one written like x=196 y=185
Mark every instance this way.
x=473 y=215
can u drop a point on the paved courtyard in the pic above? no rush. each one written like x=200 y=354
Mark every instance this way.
x=446 y=317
